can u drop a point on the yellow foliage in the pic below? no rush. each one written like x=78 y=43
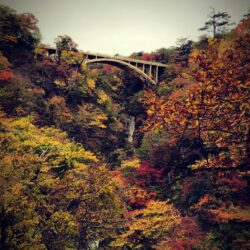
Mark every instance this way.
x=133 y=163
x=4 y=63
x=40 y=51
x=91 y=116
x=153 y=222
x=72 y=57
x=199 y=164
x=102 y=97
x=91 y=83
x=48 y=187
x=211 y=41
x=84 y=67
x=60 y=82
x=22 y=136
x=99 y=119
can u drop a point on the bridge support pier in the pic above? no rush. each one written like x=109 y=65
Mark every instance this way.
x=156 y=74
x=148 y=71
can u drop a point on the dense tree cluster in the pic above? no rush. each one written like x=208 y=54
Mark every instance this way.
x=71 y=179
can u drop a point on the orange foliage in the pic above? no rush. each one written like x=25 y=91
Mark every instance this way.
x=232 y=213
x=214 y=104
x=186 y=236
x=38 y=91
x=61 y=112
x=139 y=197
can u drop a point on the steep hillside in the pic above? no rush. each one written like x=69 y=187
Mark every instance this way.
x=93 y=158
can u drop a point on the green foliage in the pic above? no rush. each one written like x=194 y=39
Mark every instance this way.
x=65 y=43
x=150 y=141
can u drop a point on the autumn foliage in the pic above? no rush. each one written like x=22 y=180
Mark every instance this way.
x=71 y=179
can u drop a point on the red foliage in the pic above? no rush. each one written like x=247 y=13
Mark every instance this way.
x=109 y=70
x=160 y=154
x=147 y=175
x=186 y=236
x=243 y=27
x=235 y=184
x=52 y=70
x=187 y=186
x=6 y=75
x=150 y=57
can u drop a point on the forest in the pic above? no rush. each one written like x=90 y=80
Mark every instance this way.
x=70 y=177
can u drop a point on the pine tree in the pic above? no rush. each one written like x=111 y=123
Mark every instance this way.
x=217 y=23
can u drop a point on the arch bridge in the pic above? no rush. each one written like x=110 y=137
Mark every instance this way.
x=147 y=71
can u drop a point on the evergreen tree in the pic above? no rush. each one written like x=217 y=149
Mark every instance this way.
x=217 y=23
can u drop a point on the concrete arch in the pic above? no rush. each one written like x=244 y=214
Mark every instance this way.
x=123 y=65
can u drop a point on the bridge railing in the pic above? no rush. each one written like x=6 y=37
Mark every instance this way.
x=123 y=58
x=128 y=59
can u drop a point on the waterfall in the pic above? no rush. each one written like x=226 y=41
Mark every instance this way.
x=93 y=245
x=131 y=128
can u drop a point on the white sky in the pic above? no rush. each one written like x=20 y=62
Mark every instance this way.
x=124 y=26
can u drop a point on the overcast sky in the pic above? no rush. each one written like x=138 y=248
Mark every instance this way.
x=124 y=26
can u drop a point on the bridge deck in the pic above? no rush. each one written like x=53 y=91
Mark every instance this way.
x=124 y=58
x=92 y=55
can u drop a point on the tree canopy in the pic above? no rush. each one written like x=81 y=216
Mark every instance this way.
x=75 y=175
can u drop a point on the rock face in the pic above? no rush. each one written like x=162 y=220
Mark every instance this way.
x=131 y=128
